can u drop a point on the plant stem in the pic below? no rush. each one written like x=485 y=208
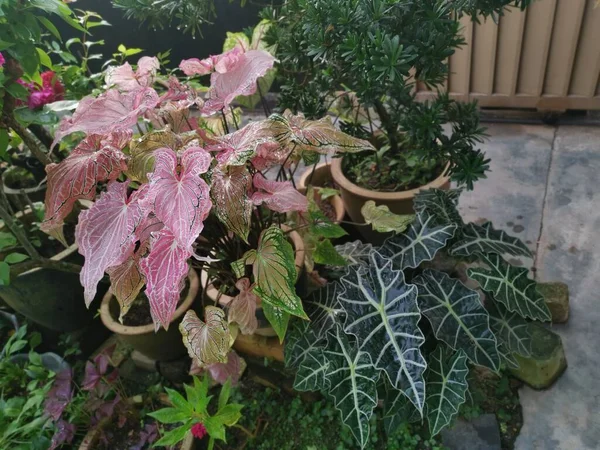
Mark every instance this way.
x=29 y=141
x=18 y=233
x=44 y=263
x=237 y=127
x=312 y=173
x=225 y=125
x=263 y=100
x=389 y=127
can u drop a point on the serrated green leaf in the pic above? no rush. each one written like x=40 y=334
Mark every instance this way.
x=485 y=239
x=383 y=315
x=170 y=415
x=178 y=401
x=224 y=394
x=274 y=272
x=215 y=428
x=446 y=387
x=420 y=243
x=229 y=415
x=325 y=253
x=511 y=287
x=457 y=317
x=172 y=437
x=383 y=220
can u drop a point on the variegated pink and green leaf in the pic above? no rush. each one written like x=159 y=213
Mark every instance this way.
x=105 y=233
x=279 y=196
x=96 y=158
x=242 y=309
x=165 y=269
x=230 y=194
x=274 y=272
x=126 y=282
x=314 y=136
x=177 y=195
x=206 y=342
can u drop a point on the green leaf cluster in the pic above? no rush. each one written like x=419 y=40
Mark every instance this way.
x=193 y=409
x=401 y=328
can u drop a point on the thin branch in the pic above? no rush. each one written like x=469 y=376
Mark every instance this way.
x=44 y=263
x=29 y=141
x=18 y=233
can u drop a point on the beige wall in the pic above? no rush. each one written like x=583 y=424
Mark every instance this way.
x=547 y=57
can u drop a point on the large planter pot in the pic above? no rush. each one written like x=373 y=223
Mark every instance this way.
x=50 y=298
x=264 y=328
x=161 y=345
x=355 y=197
x=322 y=177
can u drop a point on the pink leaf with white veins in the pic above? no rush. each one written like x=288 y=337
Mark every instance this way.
x=237 y=147
x=279 y=196
x=240 y=79
x=165 y=269
x=220 y=63
x=106 y=233
x=178 y=196
x=96 y=158
x=242 y=309
x=111 y=111
x=126 y=80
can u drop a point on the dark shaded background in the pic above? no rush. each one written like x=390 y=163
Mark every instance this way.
x=131 y=33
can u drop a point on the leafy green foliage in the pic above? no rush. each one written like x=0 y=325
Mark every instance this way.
x=383 y=220
x=391 y=306
x=376 y=51
x=193 y=409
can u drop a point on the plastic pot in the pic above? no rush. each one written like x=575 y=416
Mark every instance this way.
x=161 y=345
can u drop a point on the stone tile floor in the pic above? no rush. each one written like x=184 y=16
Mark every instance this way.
x=542 y=188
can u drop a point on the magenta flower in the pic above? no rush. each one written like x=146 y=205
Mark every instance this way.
x=199 y=430
x=2 y=60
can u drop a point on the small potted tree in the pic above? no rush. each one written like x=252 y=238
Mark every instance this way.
x=362 y=62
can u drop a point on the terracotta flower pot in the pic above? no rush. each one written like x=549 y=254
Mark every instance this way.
x=51 y=298
x=161 y=345
x=355 y=197
x=321 y=177
x=264 y=328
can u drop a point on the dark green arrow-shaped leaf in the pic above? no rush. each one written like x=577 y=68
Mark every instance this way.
x=383 y=314
x=420 y=243
x=446 y=386
x=457 y=316
x=511 y=287
x=484 y=239
x=511 y=330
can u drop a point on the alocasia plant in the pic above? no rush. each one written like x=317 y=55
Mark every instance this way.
x=177 y=192
x=394 y=328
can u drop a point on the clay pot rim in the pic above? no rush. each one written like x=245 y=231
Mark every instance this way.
x=335 y=200
x=339 y=177
x=213 y=293
x=116 y=327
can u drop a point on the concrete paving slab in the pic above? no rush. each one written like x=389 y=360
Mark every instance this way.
x=567 y=416
x=513 y=194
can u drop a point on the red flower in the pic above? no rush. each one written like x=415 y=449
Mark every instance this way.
x=50 y=91
x=199 y=430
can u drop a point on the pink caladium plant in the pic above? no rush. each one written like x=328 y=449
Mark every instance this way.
x=170 y=192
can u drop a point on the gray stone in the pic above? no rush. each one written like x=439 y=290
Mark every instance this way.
x=547 y=361
x=556 y=295
x=481 y=433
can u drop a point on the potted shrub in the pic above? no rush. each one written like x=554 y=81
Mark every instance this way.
x=362 y=62
x=178 y=193
x=404 y=324
x=137 y=330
